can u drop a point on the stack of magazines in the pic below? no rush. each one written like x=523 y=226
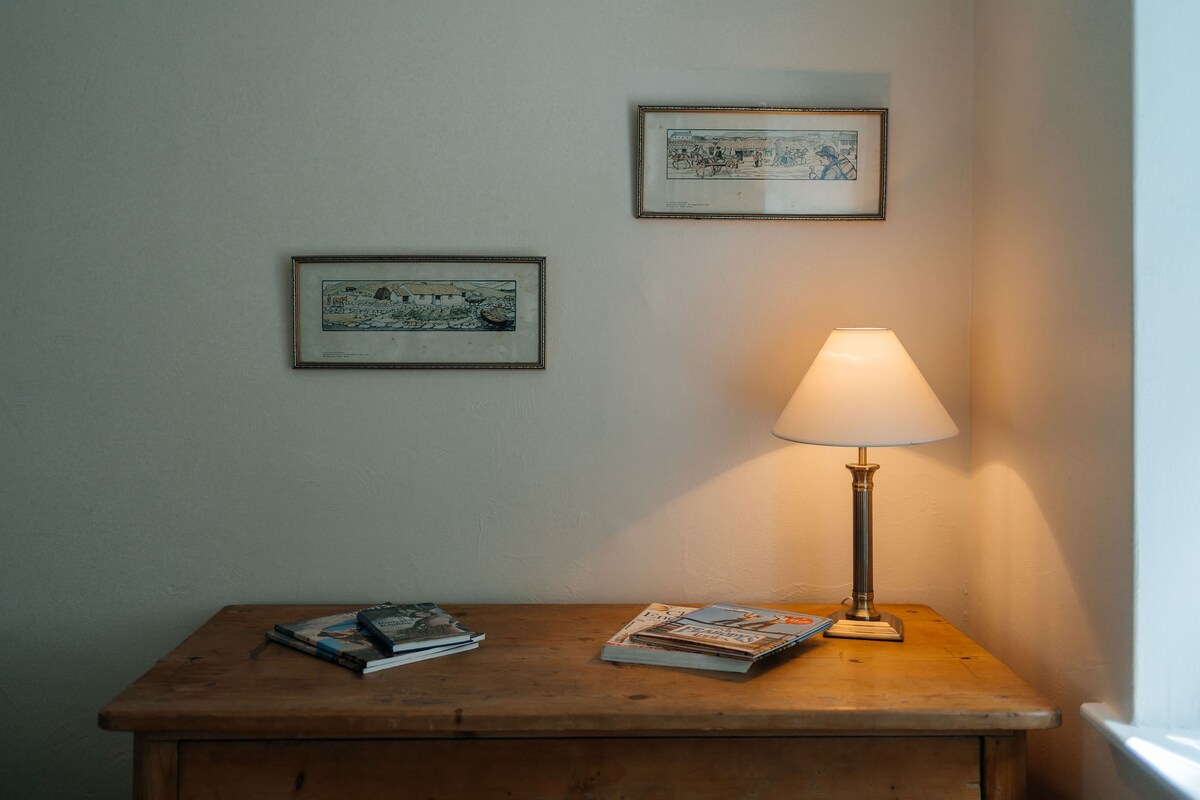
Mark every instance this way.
x=378 y=637
x=721 y=636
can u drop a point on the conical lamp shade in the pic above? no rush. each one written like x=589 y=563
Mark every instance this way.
x=863 y=390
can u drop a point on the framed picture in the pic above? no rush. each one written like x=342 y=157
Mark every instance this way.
x=762 y=163
x=419 y=312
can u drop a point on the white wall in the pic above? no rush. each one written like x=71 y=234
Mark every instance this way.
x=161 y=162
x=1051 y=382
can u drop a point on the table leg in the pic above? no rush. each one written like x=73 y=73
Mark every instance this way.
x=1004 y=767
x=155 y=768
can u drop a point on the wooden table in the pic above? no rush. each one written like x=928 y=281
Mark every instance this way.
x=534 y=713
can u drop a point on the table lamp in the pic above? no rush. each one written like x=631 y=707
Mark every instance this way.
x=863 y=390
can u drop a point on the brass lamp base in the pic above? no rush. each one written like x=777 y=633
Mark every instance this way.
x=888 y=627
x=862 y=620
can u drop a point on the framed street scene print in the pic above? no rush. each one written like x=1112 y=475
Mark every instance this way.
x=419 y=311
x=699 y=162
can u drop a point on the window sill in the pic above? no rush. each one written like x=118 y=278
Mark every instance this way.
x=1171 y=756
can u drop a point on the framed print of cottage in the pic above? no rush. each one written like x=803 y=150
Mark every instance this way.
x=419 y=312
x=761 y=163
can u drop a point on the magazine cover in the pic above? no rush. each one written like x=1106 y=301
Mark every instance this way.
x=651 y=615
x=736 y=631
x=621 y=648
x=410 y=626
x=338 y=634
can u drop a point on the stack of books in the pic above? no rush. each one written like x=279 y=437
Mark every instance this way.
x=721 y=636
x=378 y=637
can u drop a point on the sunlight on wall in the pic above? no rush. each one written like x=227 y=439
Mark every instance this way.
x=1167 y=378
x=1171 y=757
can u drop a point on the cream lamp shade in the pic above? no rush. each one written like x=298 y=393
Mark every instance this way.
x=863 y=390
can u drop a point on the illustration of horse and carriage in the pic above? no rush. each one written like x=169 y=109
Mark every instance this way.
x=706 y=165
x=718 y=161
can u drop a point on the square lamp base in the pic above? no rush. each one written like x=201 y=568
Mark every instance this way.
x=888 y=628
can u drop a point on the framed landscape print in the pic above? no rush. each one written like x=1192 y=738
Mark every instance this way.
x=419 y=311
x=762 y=163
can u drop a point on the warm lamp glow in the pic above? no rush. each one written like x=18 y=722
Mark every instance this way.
x=863 y=390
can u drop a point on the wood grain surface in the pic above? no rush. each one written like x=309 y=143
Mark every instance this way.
x=538 y=674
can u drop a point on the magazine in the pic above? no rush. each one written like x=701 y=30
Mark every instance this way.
x=621 y=648
x=734 y=631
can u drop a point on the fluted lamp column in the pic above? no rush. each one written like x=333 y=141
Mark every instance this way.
x=863 y=390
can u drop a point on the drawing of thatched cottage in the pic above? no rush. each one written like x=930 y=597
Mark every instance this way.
x=427 y=294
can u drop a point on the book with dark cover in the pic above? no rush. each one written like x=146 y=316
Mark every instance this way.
x=733 y=631
x=621 y=648
x=412 y=626
x=340 y=639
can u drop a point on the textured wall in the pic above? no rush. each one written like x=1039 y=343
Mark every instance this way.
x=161 y=162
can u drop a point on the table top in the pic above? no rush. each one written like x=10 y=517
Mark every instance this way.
x=539 y=673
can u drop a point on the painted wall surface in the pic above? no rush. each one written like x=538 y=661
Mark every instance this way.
x=1051 y=382
x=161 y=163
x=1167 y=377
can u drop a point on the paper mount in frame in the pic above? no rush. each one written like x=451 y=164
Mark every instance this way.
x=717 y=162
x=413 y=312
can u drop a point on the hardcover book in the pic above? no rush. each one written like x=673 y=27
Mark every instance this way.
x=621 y=648
x=340 y=639
x=733 y=631
x=413 y=626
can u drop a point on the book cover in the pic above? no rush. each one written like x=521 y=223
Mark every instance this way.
x=621 y=648
x=340 y=636
x=734 y=631
x=412 y=626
